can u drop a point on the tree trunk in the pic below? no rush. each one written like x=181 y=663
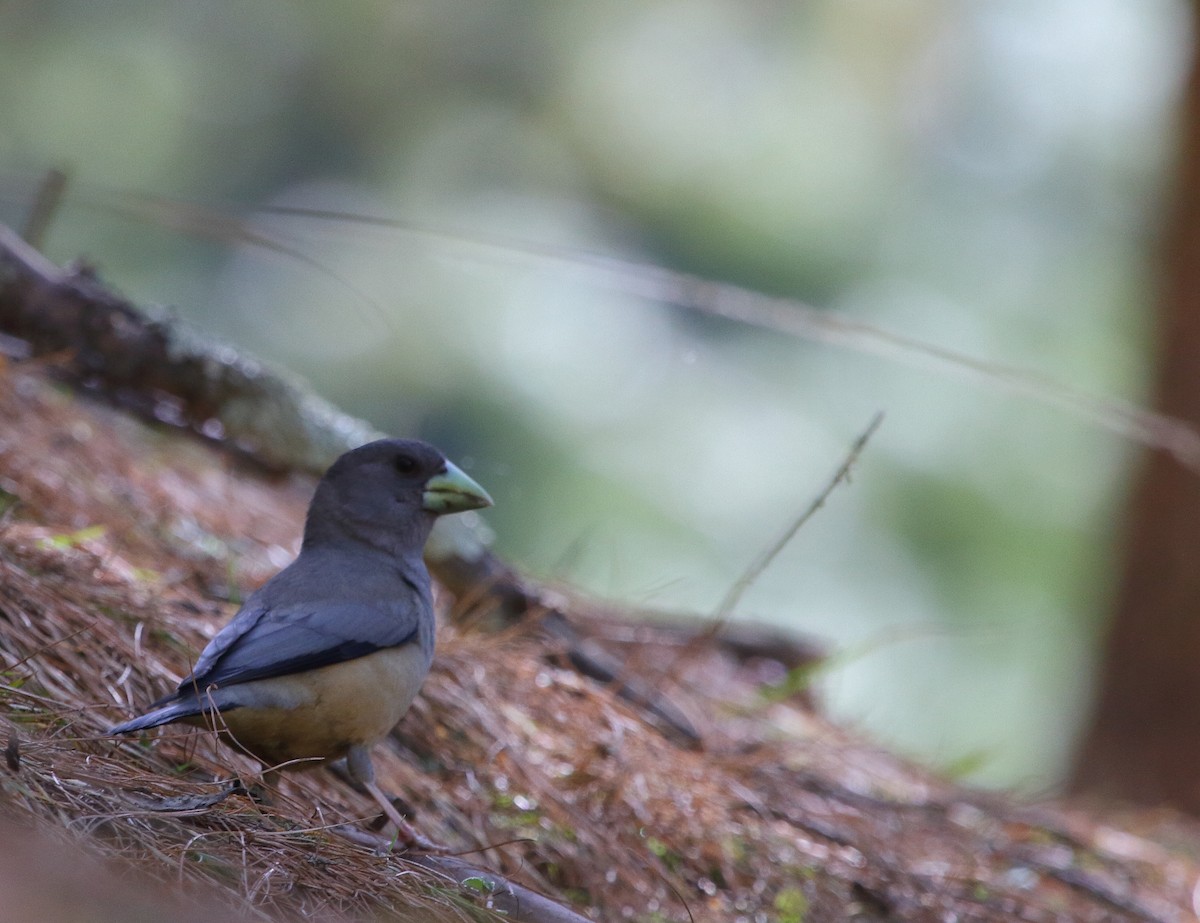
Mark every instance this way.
x=1143 y=743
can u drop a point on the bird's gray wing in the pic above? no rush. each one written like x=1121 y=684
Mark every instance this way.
x=266 y=641
x=241 y=624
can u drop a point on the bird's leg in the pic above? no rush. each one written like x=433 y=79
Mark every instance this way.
x=360 y=770
x=269 y=783
x=342 y=771
x=264 y=790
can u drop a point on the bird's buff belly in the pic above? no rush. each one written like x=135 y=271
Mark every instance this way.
x=320 y=714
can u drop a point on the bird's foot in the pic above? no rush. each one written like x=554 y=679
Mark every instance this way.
x=407 y=836
x=259 y=794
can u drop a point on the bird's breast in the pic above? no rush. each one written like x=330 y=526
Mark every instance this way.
x=319 y=714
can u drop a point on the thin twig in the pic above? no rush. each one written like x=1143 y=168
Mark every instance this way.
x=763 y=561
x=756 y=568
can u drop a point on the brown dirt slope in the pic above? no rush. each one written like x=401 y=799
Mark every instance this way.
x=123 y=548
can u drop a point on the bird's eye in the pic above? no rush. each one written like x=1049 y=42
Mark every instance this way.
x=406 y=465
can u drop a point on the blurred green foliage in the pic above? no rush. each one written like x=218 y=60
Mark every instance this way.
x=980 y=176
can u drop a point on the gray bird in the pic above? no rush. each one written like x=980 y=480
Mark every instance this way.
x=325 y=658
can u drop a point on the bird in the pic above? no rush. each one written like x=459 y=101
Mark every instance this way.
x=323 y=660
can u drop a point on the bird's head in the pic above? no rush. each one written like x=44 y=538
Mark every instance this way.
x=387 y=493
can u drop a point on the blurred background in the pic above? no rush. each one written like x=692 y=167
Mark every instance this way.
x=984 y=177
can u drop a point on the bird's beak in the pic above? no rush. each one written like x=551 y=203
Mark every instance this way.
x=453 y=492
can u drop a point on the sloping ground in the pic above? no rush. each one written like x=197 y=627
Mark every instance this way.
x=123 y=548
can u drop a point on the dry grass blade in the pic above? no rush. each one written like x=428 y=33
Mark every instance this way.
x=796 y=318
x=787 y=316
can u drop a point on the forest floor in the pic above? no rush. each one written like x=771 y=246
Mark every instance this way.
x=124 y=547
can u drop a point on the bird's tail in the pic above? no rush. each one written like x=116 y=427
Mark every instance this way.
x=165 y=715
